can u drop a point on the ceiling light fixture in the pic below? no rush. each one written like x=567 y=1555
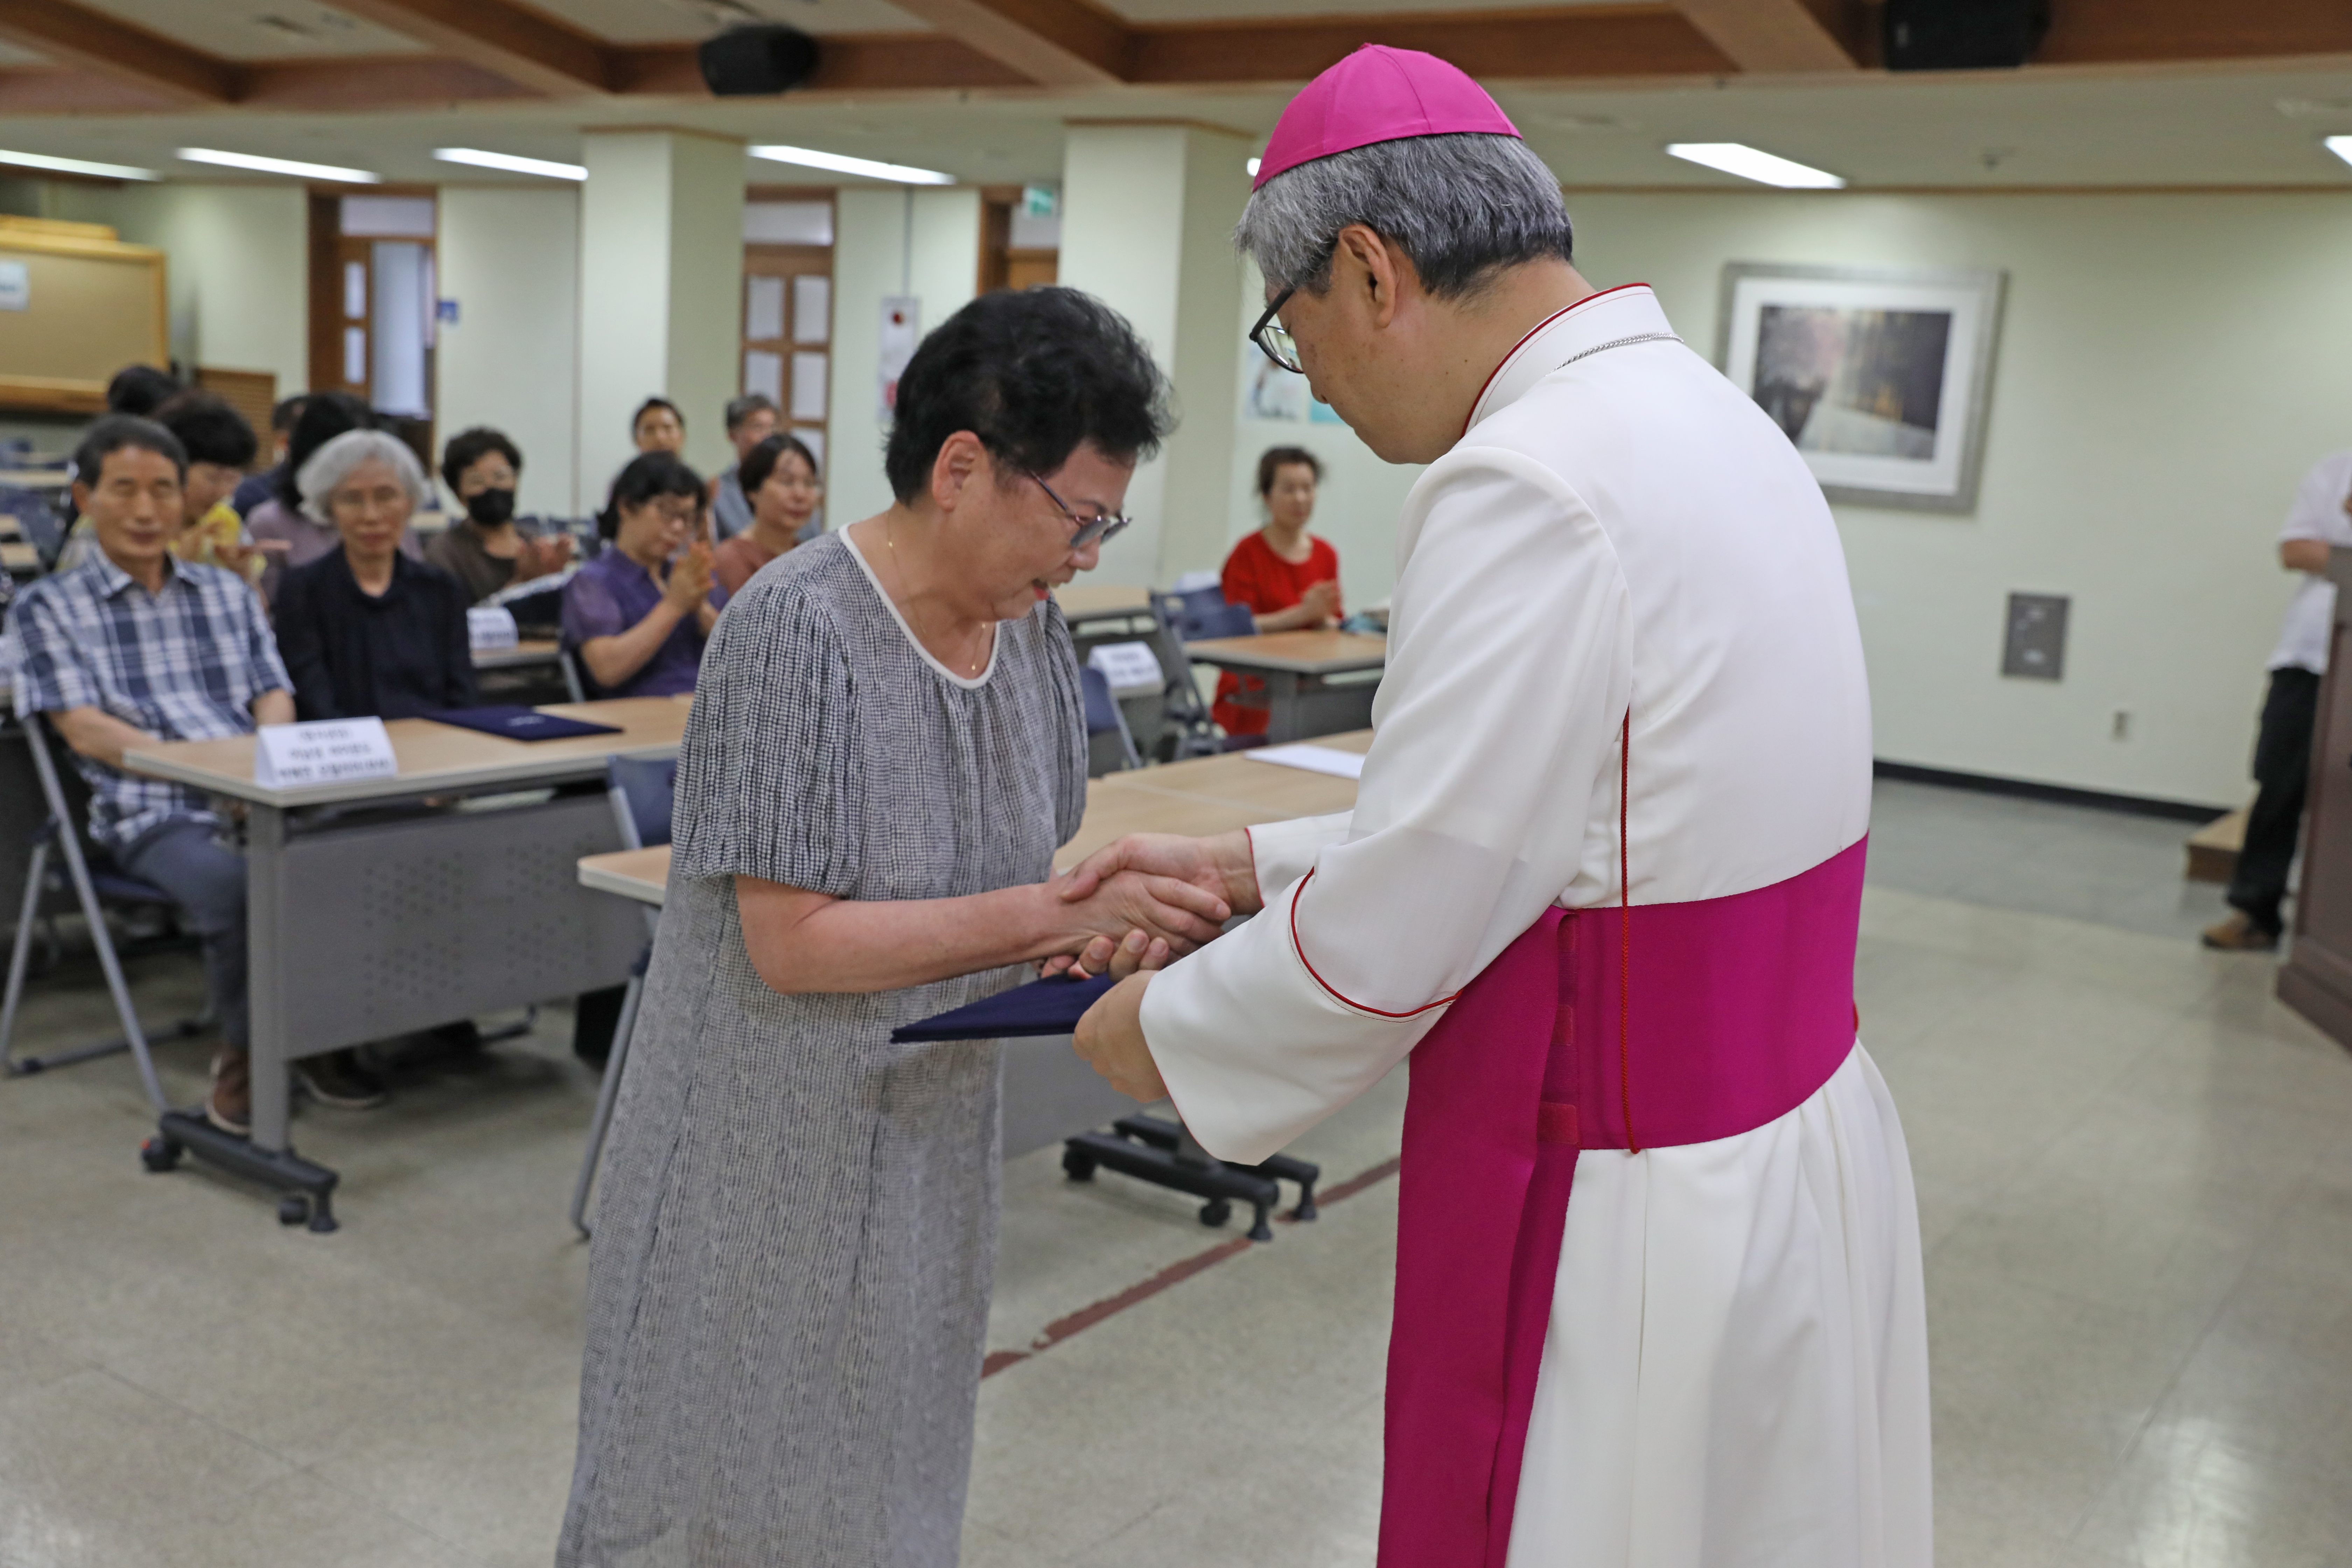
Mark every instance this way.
x=1254 y=165
x=509 y=163
x=810 y=158
x=1750 y=164
x=300 y=171
x=2339 y=145
x=76 y=166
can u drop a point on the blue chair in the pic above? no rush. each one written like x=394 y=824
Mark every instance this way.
x=43 y=528
x=1104 y=722
x=1204 y=614
x=641 y=794
x=97 y=886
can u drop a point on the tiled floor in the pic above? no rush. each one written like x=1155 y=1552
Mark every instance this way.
x=2134 y=1173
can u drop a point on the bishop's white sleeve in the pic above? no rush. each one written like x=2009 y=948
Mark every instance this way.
x=2318 y=509
x=1496 y=725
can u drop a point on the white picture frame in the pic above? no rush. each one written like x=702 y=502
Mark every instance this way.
x=1880 y=377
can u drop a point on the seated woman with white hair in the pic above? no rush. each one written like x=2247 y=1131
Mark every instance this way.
x=366 y=629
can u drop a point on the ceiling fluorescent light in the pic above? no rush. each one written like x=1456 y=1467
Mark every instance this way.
x=1736 y=158
x=2339 y=145
x=810 y=158
x=509 y=163
x=280 y=167
x=1255 y=163
x=76 y=166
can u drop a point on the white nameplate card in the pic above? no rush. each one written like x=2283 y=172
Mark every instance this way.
x=1313 y=758
x=284 y=755
x=1129 y=667
x=491 y=627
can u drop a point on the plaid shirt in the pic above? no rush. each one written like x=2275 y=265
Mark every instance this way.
x=183 y=664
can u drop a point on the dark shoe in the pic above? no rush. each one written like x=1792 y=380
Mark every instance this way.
x=2238 y=933
x=229 y=1107
x=339 y=1078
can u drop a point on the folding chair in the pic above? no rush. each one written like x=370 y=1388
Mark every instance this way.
x=96 y=884
x=569 y=660
x=1192 y=617
x=641 y=793
x=1105 y=726
x=33 y=512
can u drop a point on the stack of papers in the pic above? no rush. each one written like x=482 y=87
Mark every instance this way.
x=1313 y=758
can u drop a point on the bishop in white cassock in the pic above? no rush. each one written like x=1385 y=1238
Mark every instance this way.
x=1659 y=1300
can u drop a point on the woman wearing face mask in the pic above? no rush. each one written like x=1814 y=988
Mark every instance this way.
x=635 y=616
x=487 y=552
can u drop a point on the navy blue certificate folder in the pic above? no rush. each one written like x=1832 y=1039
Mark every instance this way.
x=1041 y=1007
x=517 y=723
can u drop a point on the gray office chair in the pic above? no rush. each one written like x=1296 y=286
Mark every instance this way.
x=97 y=886
x=641 y=793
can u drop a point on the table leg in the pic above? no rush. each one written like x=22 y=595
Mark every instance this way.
x=265 y=979
x=1283 y=718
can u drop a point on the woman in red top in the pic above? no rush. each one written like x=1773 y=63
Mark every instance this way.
x=1288 y=578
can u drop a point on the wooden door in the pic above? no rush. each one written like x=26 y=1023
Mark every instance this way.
x=788 y=334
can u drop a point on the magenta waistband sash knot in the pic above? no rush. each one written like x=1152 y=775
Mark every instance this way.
x=1740 y=1009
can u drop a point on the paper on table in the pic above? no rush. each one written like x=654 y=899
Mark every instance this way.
x=1313 y=758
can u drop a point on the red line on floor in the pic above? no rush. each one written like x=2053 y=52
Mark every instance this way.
x=1176 y=1273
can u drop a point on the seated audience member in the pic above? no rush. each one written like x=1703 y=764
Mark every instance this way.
x=1288 y=578
x=363 y=630
x=636 y=616
x=658 y=426
x=257 y=488
x=219 y=444
x=750 y=419
x=293 y=536
x=135 y=646
x=779 y=476
x=140 y=389
x=486 y=550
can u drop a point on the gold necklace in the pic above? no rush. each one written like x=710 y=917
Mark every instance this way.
x=892 y=546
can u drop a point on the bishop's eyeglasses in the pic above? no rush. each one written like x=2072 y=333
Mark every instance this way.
x=1274 y=339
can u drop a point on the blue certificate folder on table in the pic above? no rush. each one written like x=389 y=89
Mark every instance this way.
x=517 y=723
x=1041 y=1007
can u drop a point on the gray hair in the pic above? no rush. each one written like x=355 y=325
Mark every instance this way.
x=739 y=409
x=1461 y=206
x=332 y=464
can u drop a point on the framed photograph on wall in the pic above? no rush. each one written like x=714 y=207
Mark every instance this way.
x=1881 y=376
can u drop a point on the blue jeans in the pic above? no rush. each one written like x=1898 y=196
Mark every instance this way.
x=206 y=879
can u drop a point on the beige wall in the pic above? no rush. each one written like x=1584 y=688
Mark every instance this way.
x=926 y=242
x=511 y=259
x=2169 y=366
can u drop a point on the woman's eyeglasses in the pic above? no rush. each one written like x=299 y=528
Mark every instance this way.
x=1091 y=530
x=1274 y=339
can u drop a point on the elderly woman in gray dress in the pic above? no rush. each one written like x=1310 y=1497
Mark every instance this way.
x=789 y=1290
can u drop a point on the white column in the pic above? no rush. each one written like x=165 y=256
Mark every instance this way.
x=661 y=283
x=886 y=243
x=509 y=259
x=1147 y=213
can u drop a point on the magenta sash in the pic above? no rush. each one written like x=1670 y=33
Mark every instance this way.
x=1741 y=1008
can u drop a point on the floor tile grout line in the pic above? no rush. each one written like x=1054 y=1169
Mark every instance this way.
x=1074 y=1323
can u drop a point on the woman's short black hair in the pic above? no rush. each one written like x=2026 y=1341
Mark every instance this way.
x=324 y=417
x=1033 y=373
x=762 y=461
x=1278 y=459
x=647 y=406
x=210 y=430
x=648 y=475
x=116 y=431
x=467 y=448
x=140 y=389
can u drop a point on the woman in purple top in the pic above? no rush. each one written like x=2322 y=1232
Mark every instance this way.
x=635 y=617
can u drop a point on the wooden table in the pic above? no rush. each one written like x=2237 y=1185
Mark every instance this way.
x=375 y=906
x=1316 y=683
x=1048 y=1092
x=1082 y=601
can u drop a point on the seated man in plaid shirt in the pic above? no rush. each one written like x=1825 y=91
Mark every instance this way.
x=133 y=646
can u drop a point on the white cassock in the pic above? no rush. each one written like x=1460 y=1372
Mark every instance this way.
x=1734 y=1367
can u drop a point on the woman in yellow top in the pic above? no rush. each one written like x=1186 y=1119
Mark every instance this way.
x=221 y=446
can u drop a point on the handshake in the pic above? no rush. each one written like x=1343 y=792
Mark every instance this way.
x=1150 y=897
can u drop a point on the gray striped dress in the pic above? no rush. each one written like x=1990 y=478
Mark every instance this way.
x=796 y=1236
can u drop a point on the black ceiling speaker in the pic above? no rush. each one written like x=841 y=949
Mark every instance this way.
x=753 y=61
x=1963 y=35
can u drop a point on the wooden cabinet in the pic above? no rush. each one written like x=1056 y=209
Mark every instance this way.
x=2316 y=980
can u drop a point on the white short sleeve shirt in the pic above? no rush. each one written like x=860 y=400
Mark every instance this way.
x=2317 y=513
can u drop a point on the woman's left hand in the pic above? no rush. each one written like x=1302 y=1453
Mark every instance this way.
x=1110 y=1039
x=1138 y=952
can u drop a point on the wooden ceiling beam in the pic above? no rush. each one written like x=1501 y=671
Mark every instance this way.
x=522 y=46
x=66 y=34
x=2116 y=32
x=1053 y=42
x=1572 y=44
x=1781 y=36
